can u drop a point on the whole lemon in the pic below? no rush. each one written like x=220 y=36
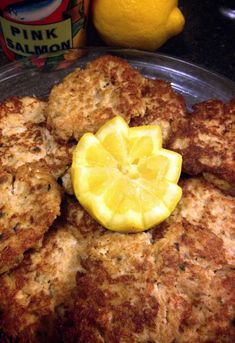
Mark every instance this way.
x=137 y=24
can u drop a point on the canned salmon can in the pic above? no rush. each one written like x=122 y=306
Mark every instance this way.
x=39 y=27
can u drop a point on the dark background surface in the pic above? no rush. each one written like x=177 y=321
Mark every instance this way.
x=208 y=38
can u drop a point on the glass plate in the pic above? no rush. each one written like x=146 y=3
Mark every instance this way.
x=36 y=76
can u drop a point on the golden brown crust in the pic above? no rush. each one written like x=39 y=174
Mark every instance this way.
x=86 y=99
x=193 y=261
x=143 y=291
x=204 y=205
x=29 y=203
x=40 y=288
x=173 y=283
x=25 y=139
x=164 y=107
x=207 y=142
x=165 y=284
x=223 y=185
x=109 y=86
x=35 y=296
x=124 y=306
x=162 y=285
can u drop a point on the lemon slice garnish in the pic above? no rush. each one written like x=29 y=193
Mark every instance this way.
x=124 y=178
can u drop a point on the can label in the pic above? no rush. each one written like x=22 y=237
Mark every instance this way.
x=35 y=27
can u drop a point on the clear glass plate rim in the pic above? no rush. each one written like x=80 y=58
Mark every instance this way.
x=11 y=67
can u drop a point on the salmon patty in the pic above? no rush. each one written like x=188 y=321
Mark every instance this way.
x=164 y=107
x=24 y=137
x=162 y=285
x=36 y=296
x=86 y=99
x=206 y=142
x=165 y=284
x=29 y=203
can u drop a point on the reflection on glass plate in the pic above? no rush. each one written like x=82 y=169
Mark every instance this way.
x=37 y=76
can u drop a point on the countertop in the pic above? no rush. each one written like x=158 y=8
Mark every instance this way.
x=208 y=38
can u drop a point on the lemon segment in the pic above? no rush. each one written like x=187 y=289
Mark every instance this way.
x=168 y=192
x=89 y=151
x=93 y=179
x=166 y=164
x=128 y=208
x=175 y=164
x=157 y=214
x=124 y=178
x=144 y=141
x=113 y=136
x=154 y=167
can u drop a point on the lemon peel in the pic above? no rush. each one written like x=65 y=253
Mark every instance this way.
x=134 y=24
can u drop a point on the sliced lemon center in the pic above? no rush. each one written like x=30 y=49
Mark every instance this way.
x=124 y=178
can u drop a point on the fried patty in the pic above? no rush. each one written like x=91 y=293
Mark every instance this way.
x=109 y=86
x=173 y=283
x=35 y=296
x=24 y=137
x=29 y=202
x=206 y=142
x=205 y=205
x=140 y=290
x=164 y=107
x=87 y=98
x=46 y=279
x=162 y=285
